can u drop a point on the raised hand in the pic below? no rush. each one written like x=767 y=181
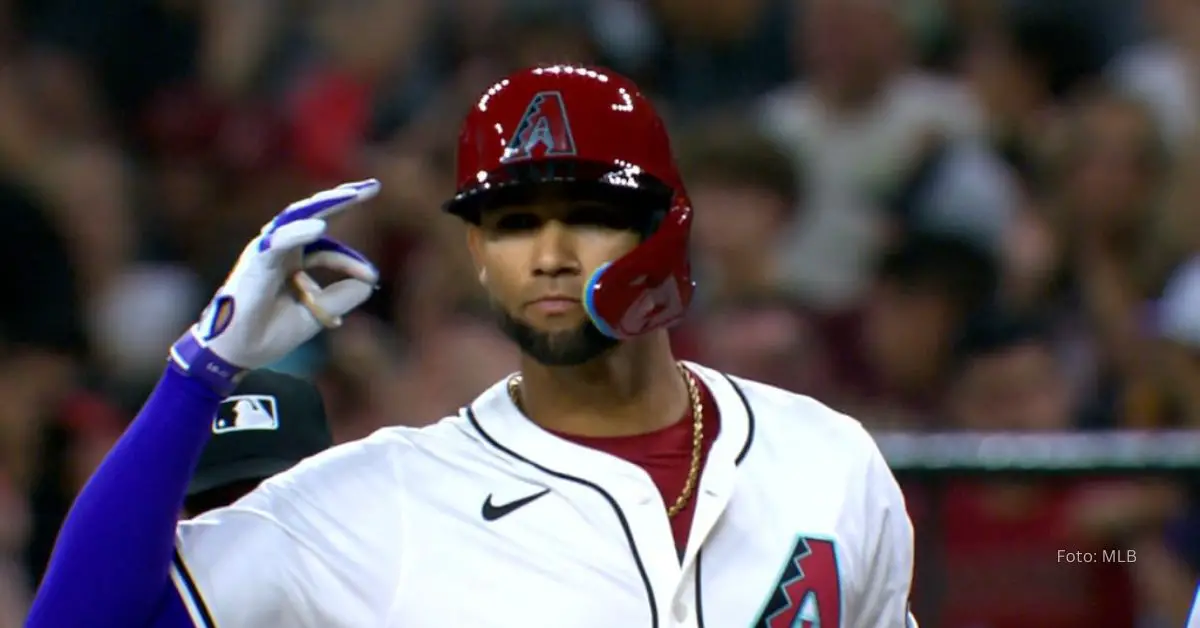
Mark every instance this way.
x=269 y=305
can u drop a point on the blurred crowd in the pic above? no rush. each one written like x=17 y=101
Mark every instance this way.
x=930 y=214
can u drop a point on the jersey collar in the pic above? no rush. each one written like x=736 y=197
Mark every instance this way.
x=502 y=425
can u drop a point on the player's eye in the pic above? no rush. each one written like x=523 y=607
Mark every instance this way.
x=517 y=222
x=600 y=215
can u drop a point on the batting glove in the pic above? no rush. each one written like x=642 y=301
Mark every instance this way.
x=269 y=305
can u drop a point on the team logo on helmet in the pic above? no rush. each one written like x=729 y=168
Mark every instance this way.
x=544 y=124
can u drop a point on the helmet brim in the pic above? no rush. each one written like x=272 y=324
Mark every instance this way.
x=575 y=179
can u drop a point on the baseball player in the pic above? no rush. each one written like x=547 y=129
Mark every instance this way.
x=270 y=423
x=605 y=485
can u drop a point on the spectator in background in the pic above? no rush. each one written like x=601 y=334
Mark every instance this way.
x=746 y=192
x=924 y=289
x=1023 y=65
x=545 y=33
x=1000 y=536
x=1161 y=71
x=374 y=72
x=1006 y=376
x=1120 y=234
x=858 y=124
x=42 y=333
x=714 y=54
x=1157 y=520
x=766 y=338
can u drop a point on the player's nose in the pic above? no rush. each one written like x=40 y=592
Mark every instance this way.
x=554 y=251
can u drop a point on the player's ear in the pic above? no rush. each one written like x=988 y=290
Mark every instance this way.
x=475 y=246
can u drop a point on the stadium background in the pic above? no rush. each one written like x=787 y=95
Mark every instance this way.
x=937 y=215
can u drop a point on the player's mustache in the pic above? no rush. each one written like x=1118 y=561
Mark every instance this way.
x=557 y=290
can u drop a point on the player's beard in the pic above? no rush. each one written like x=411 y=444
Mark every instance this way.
x=564 y=348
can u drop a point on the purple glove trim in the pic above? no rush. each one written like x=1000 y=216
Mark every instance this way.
x=329 y=245
x=304 y=212
x=190 y=358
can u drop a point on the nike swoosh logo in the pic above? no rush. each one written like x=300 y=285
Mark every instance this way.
x=492 y=512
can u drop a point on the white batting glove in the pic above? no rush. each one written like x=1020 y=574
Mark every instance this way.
x=269 y=305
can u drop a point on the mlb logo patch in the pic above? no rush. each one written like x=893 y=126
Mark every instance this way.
x=246 y=412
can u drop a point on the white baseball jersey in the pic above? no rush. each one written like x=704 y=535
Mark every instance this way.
x=486 y=520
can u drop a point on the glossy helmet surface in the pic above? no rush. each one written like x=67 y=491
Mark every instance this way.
x=592 y=132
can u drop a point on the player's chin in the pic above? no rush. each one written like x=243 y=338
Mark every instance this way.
x=567 y=348
x=560 y=343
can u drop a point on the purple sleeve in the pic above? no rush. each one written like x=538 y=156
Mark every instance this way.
x=111 y=561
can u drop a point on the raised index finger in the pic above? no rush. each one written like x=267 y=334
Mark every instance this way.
x=328 y=202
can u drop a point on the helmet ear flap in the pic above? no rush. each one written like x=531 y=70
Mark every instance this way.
x=651 y=286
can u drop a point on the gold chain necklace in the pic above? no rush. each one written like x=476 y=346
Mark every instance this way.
x=689 y=486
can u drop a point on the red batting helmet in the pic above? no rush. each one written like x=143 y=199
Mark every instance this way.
x=591 y=131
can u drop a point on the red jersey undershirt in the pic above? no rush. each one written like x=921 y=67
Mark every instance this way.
x=665 y=455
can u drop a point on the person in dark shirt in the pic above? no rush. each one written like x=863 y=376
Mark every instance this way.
x=38 y=273
x=1001 y=537
x=271 y=422
x=42 y=341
